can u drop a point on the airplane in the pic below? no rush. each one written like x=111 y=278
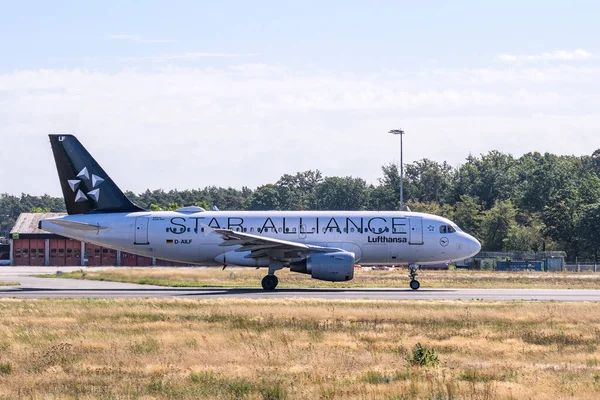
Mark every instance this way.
x=324 y=244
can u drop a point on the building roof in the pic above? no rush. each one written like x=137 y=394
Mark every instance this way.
x=27 y=223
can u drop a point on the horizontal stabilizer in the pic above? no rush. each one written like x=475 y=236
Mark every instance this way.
x=82 y=226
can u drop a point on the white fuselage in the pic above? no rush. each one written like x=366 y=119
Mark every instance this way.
x=380 y=238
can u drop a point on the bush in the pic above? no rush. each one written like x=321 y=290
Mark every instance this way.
x=422 y=356
x=272 y=391
x=156 y=386
x=239 y=388
x=5 y=368
x=488 y=265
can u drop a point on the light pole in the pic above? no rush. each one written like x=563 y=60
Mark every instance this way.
x=401 y=133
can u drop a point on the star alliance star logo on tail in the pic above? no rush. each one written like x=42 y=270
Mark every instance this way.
x=95 y=181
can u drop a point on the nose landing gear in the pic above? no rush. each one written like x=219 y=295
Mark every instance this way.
x=412 y=274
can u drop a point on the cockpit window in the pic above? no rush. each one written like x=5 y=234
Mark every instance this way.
x=448 y=229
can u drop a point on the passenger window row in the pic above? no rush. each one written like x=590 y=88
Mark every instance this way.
x=443 y=229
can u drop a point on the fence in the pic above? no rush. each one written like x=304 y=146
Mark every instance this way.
x=581 y=267
x=519 y=265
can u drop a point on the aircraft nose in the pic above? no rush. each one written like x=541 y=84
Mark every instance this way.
x=474 y=245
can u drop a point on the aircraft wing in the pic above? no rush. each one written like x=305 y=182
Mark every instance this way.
x=260 y=246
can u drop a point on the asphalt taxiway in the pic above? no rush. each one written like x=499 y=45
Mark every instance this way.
x=32 y=287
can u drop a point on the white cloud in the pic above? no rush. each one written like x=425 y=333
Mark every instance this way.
x=247 y=124
x=139 y=38
x=558 y=55
x=187 y=56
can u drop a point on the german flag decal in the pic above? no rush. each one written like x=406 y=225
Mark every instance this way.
x=169 y=241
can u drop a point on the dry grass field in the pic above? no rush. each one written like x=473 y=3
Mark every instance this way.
x=249 y=277
x=297 y=349
x=3 y=283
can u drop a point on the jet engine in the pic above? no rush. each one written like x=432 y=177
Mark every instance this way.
x=333 y=267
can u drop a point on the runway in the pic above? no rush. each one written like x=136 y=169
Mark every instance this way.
x=35 y=288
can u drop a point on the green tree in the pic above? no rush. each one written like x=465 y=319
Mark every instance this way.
x=561 y=219
x=428 y=181
x=264 y=198
x=202 y=204
x=342 y=194
x=386 y=196
x=496 y=225
x=39 y=210
x=382 y=198
x=490 y=178
x=172 y=206
x=540 y=177
x=308 y=181
x=467 y=179
x=467 y=214
x=588 y=187
x=297 y=192
x=596 y=161
x=588 y=229
x=523 y=238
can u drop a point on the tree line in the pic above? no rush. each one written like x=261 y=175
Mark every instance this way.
x=532 y=203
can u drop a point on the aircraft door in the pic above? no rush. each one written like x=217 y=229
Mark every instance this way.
x=141 y=230
x=415 y=230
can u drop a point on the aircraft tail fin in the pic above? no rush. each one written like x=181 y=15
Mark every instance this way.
x=85 y=186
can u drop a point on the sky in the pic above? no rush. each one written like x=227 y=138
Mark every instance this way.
x=187 y=94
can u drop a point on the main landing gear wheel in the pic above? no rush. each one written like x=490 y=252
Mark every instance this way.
x=270 y=282
x=414 y=285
